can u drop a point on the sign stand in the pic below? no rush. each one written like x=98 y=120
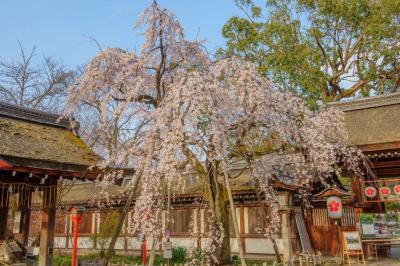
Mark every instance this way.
x=352 y=246
x=167 y=246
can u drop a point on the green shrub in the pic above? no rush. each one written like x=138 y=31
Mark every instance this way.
x=179 y=255
x=61 y=260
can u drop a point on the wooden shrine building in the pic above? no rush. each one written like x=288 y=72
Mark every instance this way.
x=373 y=125
x=36 y=150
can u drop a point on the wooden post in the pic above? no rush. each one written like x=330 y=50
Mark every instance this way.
x=3 y=212
x=286 y=236
x=241 y=228
x=48 y=225
x=25 y=215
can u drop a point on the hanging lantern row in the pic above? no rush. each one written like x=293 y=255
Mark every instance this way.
x=370 y=192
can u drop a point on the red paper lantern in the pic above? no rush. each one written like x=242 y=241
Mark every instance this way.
x=384 y=191
x=397 y=189
x=370 y=192
x=335 y=207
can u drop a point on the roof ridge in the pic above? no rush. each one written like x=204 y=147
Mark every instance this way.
x=367 y=102
x=33 y=115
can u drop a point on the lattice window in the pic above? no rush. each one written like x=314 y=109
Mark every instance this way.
x=60 y=223
x=85 y=226
x=180 y=220
x=348 y=217
x=320 y=217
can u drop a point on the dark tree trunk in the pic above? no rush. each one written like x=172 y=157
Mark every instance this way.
x=219 y=203
x=224 y=254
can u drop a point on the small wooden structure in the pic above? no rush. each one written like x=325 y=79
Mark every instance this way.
x=37 y=150
x=373 y=125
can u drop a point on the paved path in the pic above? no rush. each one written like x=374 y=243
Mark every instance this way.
x=392 y=260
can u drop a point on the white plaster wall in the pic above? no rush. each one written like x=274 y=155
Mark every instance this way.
x=262 y=246
x=120 y=244
x=204 y=243
x=84 y=242
x=233 y=242
x=234 y=245
x=186 y=242
x=59 y=242
x=134 y=244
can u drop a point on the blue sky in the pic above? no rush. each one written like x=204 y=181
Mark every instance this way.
x=63 y=28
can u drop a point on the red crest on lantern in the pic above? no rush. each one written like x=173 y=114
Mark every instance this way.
x=384 y=191
x=397 y=189
x=335 y=208
x=370 y=192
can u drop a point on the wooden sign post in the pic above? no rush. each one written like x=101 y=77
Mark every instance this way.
x=352 y=246
x=167 y=246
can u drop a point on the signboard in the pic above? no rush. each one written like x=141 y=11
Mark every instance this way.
x=352 y=240
x=380 y=225
x=167 y=250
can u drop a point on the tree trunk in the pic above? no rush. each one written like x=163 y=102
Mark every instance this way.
x=222 y=216
x=276 y=250
x=153 y=251
x=219 y=203
x=156 y=237
x=128 y=203
x=265 y=213
x=118 y=229
x=233 y=214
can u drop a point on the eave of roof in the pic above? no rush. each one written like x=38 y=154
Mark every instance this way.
x=367 y=102
x=31 y=115
x=37 y=140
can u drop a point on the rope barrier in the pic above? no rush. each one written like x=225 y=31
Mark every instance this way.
x=22 y=195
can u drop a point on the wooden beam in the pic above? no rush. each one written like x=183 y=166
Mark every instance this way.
x=3 y=213
x=48 y=227
x=241 y=226
x=382 y=172
x=386 y=164
x=51 y=172
x=380 y=146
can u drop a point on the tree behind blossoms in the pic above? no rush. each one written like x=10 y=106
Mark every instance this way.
x=170 y=108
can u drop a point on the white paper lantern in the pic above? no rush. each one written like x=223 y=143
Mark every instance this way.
x=397 y=189
x=335 y=207
x=384 y=192
x=370 y=192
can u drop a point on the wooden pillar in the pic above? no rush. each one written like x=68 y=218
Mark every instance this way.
x=286 y=236
x=3 y=212
x=25 y=200
x=241 y=228
x=48 y=224
x=66 y=231
x=293 y=234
